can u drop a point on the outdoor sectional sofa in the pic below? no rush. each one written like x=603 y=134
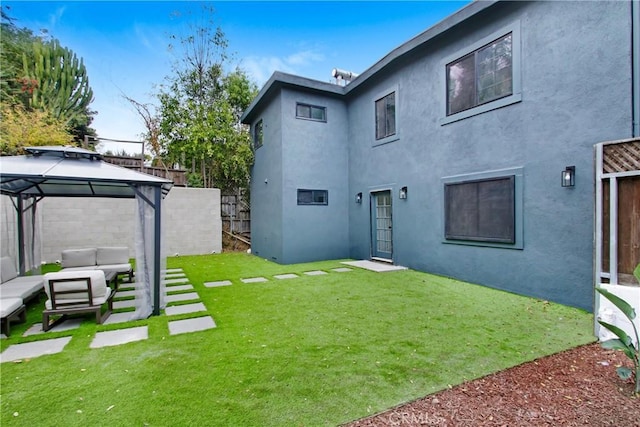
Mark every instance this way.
x=15 y=292
x=108 y=259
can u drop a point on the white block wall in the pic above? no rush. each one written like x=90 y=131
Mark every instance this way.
x=191 y=220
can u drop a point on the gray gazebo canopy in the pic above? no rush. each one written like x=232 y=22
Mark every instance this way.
x=73 y=172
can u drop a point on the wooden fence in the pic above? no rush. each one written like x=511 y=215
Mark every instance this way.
x=236 y=215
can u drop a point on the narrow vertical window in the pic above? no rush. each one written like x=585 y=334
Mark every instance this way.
x=257 y=135
x=386 y=116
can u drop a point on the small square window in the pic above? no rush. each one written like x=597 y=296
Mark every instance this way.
x=311 y=112
x=386 y=116
x=313 y=197
x=257 y=135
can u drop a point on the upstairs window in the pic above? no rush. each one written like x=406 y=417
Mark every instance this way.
x=481 y=76
x=386 y=116
x=313 y=197
x=311 y=112
x=257 y=135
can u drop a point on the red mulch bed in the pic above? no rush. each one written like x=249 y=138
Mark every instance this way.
x=578 y=387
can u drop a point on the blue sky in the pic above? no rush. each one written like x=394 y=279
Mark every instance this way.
x=124 y=43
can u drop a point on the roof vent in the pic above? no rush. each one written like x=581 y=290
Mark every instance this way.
x=343 y=77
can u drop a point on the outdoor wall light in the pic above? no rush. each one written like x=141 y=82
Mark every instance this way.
x=403 y=193
x=569 y=176
x=359 y=198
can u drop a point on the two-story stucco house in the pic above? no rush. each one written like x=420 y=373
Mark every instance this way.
x=450 y=154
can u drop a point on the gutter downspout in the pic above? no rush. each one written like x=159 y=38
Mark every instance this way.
x=635 y=67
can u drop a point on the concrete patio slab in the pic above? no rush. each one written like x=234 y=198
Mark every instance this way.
x=341 y=269
x=126 y=294
x=128 y=303
x=254 y=280
x=119 y=336
x=218 y=283
x=34 y=349
x=315 y=273
x=286 y=276
x=191 y=325
x=184 y=309
x=114 y=318
x=175 y=281
x=182 y=297
x=178 y=288
x=67 y=325
x=380 y=267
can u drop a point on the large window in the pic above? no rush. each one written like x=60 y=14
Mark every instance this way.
x=386 y=116
x=257 y=135
x=313 y=197
x=481 y=76
x=481 y=210
x=311 y=112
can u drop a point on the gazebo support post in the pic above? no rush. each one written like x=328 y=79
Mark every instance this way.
x=20 y=210
x=156 y=251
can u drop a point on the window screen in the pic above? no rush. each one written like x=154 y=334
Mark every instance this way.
x=313 y=197
x=311 y=112
x=482 y=210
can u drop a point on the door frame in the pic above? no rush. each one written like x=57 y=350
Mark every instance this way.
x=372 y=223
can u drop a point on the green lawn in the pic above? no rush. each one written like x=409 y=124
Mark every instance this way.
x=315 y=350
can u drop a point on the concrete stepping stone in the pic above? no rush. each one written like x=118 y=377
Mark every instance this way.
x=123 y=317
x=184 y=309
x=191 y=325
x=126 y=294
x=286 y=276
x=181 y=297
x=341 y=270
x=218 y=283
x=119 y=336
x=175 y=281
x=315 y=273
x=254 y=280
x=174 y=275
x=127 y=303
x=34 y=349
x=178 y=288
x=171 y=270
x=67 y=325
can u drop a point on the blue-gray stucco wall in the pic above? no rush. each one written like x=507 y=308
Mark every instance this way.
x=266 y=186
x=576 y=91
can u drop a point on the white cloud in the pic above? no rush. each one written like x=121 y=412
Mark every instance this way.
x=260 y=68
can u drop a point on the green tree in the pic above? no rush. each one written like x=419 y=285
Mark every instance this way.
x=200 y=108
x=62 y=84
x=21 y=128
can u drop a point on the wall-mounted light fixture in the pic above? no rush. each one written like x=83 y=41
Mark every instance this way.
x=359 y=198
x=403 y=193
x=569 y=176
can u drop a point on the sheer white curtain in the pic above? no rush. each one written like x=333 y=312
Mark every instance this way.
x=32 y=223
x=145 y=260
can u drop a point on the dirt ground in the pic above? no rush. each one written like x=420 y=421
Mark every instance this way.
x=578 y=387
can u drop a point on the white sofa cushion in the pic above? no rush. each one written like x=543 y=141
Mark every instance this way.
x=68 y=303
x=22 y=287
x=112 y=255
x=9 y=305
x=98 y=284
x=7 y=269
x=79 y=257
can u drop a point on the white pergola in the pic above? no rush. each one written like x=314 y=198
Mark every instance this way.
x=73 y=172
